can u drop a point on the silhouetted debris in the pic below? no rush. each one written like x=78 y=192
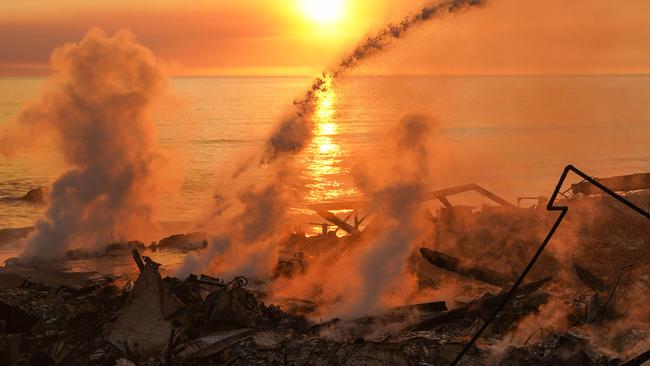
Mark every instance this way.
x=200 y=349
x=565 y=350
x=53 y=324
x=290 y=267
x=118 y=248
x=638 y=360
x=113 y=249
x=137 y=258
x=189 y=290
x=182 y=242
x=49 y=317
x=429 y=307
x=453 y=264
x=37 y=195
x=16 y=319
x=175 y=243
x=482 y=307
x=204 y=320
x=621 y=183
x=589 y=278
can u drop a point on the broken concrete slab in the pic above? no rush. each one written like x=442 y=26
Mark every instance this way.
x=144 y=323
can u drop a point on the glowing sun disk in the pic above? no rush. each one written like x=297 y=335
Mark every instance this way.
x=323 y=11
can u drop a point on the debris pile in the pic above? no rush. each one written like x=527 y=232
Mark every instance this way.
x=202 y=320
x=182 y=242
x=585 y=307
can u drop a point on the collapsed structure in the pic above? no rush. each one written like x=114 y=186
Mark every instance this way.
x=582 y=308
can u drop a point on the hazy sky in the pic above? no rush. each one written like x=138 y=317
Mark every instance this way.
x=270 y=37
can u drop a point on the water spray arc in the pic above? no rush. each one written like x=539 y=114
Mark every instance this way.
x=296 y=132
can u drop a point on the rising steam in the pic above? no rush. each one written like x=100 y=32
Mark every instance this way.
x=397 y=200
x=373 y=273
x=295 y=133
x=97 y=105
x=251 y=228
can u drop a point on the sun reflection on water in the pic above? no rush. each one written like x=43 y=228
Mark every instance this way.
x=324 y=158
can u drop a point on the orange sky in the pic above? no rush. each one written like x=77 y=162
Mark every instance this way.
x=271 y=37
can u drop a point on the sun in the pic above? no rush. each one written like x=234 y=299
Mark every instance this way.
x=323 y=11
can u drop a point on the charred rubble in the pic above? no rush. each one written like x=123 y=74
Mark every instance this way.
x=49 y=317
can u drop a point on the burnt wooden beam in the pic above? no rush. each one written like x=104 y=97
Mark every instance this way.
x=477 y=307
x=138 y=259
x=590 y=279
x=620 y=183
x=453 y=264
x=638 y=360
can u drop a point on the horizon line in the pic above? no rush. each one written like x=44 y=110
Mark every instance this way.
x=208 y=76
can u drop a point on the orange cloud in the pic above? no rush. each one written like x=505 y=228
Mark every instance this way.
x=257 y=37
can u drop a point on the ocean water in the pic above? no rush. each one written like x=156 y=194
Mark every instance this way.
x=513 y=135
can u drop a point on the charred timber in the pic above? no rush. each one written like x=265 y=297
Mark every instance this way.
x=427 y=307
x=329 y=216
x=442 y=194
x=467 y=188
x=478 y=307
x=453 y=264
x=639 y=360
x=621 y=183
x=138 y=259
x=591 y=280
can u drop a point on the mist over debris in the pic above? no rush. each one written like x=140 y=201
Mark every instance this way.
x=295 y=132
x=371 y=275
x=249 y=227
x=96 y=106
x=397 y=200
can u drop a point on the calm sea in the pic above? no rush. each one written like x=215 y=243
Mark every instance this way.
x=512 y=135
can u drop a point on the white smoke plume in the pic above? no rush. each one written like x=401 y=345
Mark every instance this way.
x=97 y=106
x=250 y=230
x=382 y=270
